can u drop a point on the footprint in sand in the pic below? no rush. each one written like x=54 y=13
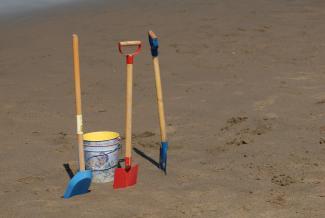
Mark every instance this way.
x=320 y=97
x=300 y=76
x=261 y=105
x=239 y=131
x=277 y=198
x=146 y=139
x=30 y=179
x=282 y=180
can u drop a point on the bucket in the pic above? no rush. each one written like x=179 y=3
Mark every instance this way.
x=102 y=154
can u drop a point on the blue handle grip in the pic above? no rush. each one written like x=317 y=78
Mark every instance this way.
x=153 y=40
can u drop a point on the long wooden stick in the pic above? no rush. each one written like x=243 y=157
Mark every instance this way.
x=76 y=67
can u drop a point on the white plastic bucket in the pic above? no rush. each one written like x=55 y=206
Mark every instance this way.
x=102 y=154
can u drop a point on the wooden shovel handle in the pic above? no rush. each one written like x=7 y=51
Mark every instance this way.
x=76 y=67
x=129 y=86
x=128 y=115
x=160 y=102
x=153 y=40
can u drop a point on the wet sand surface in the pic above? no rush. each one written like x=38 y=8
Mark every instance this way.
x=244 y=95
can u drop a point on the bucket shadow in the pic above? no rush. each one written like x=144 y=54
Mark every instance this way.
x=68 y=170
x=142 y=154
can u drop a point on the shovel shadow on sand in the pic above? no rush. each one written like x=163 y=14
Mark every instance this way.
x=150 y=159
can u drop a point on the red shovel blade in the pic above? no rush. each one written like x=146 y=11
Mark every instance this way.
x=125 y=177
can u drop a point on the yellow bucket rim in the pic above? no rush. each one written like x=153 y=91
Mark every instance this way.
x=100 y=136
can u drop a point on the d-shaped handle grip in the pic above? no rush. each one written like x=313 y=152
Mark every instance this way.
x=130 y=57
x=130 y=43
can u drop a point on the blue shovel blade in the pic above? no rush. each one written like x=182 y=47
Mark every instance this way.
x=79 y=184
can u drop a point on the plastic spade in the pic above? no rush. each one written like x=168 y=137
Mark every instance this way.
x=127 y=176
x=153 y=40
x=80 y=183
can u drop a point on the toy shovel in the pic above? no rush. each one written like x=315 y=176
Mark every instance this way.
x=153 y=40
x=127 y=176
x=80 y=183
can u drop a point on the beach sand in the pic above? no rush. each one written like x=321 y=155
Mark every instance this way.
x=244 y=99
